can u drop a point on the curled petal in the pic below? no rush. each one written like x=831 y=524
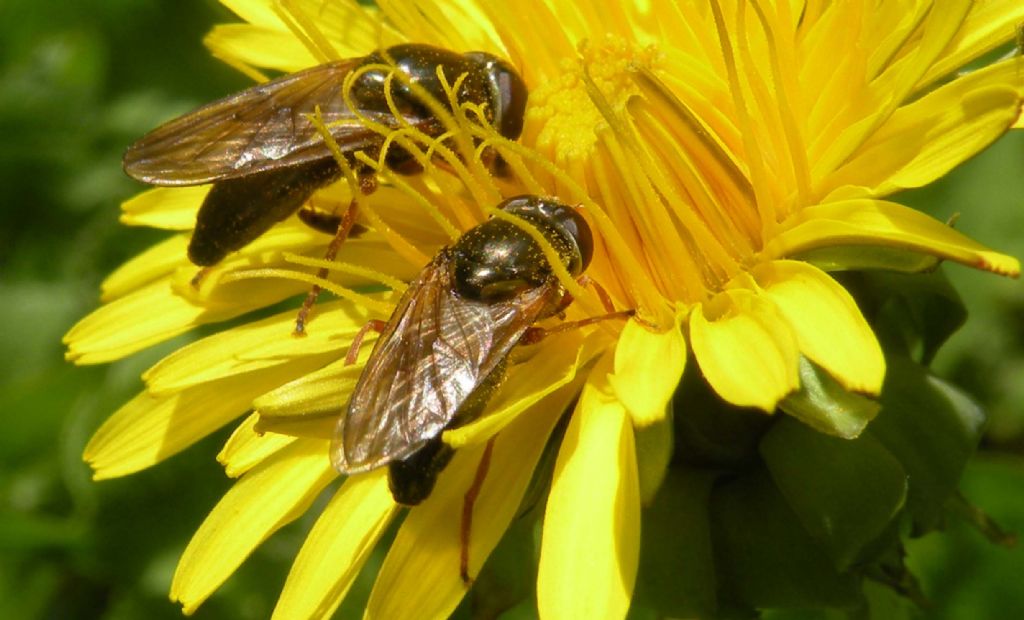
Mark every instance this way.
x=745 y=348
x=829 y=327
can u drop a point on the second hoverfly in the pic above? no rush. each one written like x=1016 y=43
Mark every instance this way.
x=445 y=348
x=265 y=158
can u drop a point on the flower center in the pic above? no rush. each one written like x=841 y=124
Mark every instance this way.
x=563 y=108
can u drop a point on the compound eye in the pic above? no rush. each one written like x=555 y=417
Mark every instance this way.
x=563 y=220
x=508 y=93
x=572 y=222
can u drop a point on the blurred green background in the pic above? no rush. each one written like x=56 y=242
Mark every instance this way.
x=81 y=80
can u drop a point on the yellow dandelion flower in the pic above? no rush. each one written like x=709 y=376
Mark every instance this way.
x=727 y=155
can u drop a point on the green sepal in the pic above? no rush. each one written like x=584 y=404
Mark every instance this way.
x=913 y=313
x=654 y=447
x=765 y=557
x=933 y=428
x=863 y=257
x=711 y=432
x=677 y=572
x=824 y=405
x=844 y=492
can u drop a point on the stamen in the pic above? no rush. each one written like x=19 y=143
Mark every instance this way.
x=488 y=136
x=464 y=143
x=453 y=124
x=300 y=276
x=428 y=206
x=660 y=237
x=784 y=85
x=758 y=174
x=402 y=246
x=357 y=270
x=405 y=249
x=717 y=189
x=658 y=225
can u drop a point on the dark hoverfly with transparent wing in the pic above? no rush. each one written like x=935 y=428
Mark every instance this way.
x=266 y=158
x=444 y=349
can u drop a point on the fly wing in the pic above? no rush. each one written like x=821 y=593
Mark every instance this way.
x=261 y=128
x=436 y=349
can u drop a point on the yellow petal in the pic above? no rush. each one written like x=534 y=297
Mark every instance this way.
x=258 y=345
x=161 y=260
x=648 y=366
x=420 y=577
x=989 y=25
x=152 y=315
x=260 y=47
x=893 y=86
x=746 y=350
x=259 y=12
x=932 y=37
x=149 y=429
x=311 y=427
x=261 y=502
x=337 y=547
x=130 y=324
x=829 y=327
x=591 y=541
x=170 y=208
x=926 y=139
x=247 y=448
x=335 y=30
x=888 y=224
x=463 y=25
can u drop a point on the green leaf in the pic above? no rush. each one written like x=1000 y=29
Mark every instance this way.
x=844 y=492
x=765 y=558
x=508 y=577
x=932 y=428
x=826 y=406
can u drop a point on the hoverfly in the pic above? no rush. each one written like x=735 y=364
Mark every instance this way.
x=265 y=157
x=444 y=349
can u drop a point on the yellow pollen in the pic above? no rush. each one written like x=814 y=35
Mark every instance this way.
x=562 y=107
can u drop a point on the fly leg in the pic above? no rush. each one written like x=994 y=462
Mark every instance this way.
x=602 y=294
x=586 y=281
x=353 y=351
x=367 y=185
x=197 y=280
x=468 y=502
x=535 y=334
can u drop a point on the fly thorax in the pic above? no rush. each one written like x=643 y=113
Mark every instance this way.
x=419 y=64
x=497 y=260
